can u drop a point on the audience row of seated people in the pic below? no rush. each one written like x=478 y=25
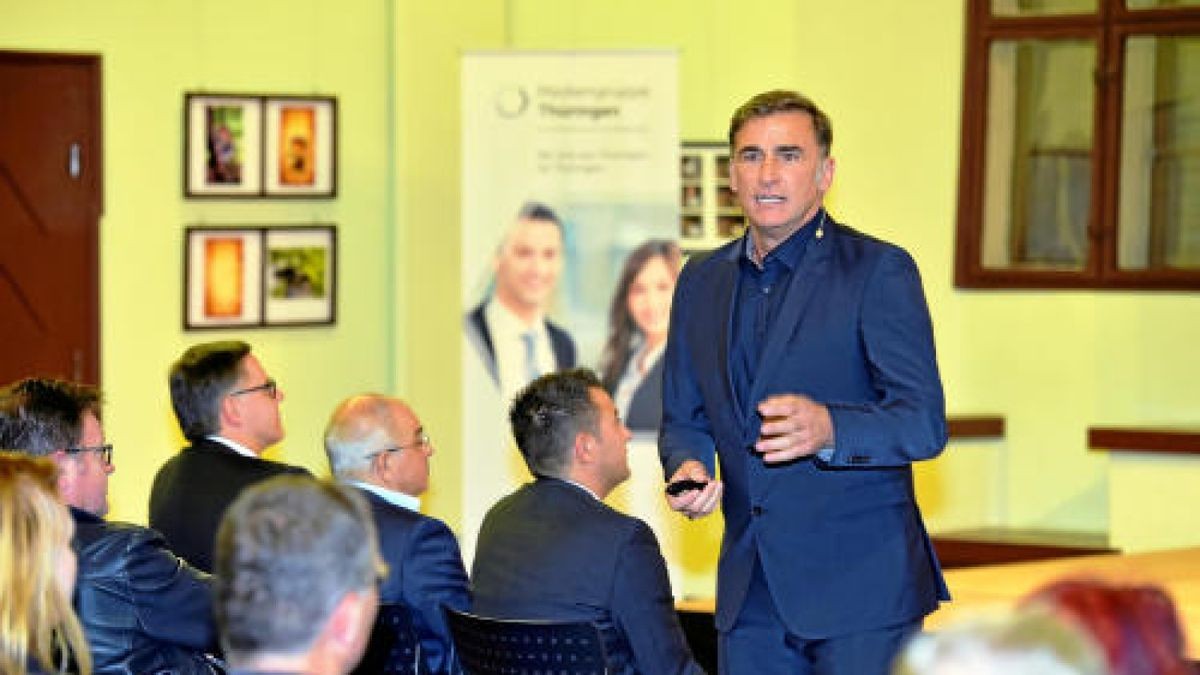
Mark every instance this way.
x=302 y=567
x=145 y=595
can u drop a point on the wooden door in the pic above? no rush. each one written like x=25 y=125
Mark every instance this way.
x=50 y=204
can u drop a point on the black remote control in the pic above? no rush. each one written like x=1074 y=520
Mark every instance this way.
x=680 y=486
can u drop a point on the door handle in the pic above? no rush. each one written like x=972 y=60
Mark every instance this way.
x=74 y=163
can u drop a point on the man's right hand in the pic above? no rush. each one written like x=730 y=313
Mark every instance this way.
x=695 y=503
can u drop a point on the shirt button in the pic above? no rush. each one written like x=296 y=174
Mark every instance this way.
x=757 y=510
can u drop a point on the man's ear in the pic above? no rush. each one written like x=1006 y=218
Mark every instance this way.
x=350 y=625
x=66 y=473
x=585 y=448
x=230 y=411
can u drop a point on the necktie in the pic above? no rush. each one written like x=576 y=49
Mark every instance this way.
x=531 y=365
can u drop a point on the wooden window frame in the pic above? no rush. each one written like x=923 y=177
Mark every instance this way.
x=1108 y=28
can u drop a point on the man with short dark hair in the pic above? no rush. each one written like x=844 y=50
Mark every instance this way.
x=377 y=444
x=553 y=550
x=143 y=610
x=801 y=356
x=228 y=408
x=509 y=330
x=296 y=567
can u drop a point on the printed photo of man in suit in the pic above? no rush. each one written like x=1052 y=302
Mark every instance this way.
x=553 y=550
x=801 y=358
x=509 y=330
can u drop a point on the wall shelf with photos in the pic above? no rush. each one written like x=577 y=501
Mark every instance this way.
x=709 y=215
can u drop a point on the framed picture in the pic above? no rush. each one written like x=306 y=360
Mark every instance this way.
x=300 y=147
x=222 y=284
x=222 y=145
x=300 y=275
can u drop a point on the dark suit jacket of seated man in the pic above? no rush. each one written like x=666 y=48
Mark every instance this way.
x=377 y=444
x=552 y=550
x=229 y=408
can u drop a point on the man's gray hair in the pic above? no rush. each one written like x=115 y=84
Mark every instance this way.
x=288 y=550
x=358 y=427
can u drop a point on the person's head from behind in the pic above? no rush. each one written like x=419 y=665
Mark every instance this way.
x=566 y=426
x=221 y=389
x=1012 y=643
x=380 y=440
x=296 y=572
x=1136 y=625
x=529 y=260
x=37 y=569
x=60 y=420
x=641 y=305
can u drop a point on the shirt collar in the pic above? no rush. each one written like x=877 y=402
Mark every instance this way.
x=791 y=250
x=501 y=319
x=390 y=496
x=234 y=446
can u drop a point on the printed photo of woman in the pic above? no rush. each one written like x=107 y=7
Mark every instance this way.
x=631 y=362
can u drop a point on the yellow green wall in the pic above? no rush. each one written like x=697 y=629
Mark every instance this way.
x=152 y=53
x=888 y=71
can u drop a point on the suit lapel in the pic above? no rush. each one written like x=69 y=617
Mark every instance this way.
x=724 y=287
x=805 y=283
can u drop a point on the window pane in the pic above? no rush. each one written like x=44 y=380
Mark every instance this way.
x=1154 y=4
x=1159 y=217
x=1038 y=155
x=1045 y=7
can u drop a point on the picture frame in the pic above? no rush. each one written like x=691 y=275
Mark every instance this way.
x=299 y=273
x=300 y=146
x=222 y=277
x=222 y=145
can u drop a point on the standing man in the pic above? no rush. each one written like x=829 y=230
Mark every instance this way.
x=510 y=331
x=378 y=445
x=143 y=610
x=553 y=550
x=801 y=356
x=228 y=408
x=297 y=569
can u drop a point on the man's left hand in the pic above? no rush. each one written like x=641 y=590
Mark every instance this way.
x=793 y=426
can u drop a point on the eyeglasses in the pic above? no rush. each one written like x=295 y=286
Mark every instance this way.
x=422 y=441
x=269 y=386
x=105 y=451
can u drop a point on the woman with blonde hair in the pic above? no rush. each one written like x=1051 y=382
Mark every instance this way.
x=39 y=632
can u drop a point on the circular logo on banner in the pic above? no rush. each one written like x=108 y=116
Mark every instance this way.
x=511 y=101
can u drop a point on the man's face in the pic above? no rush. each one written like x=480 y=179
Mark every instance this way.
x=779 y=172
x=528 y=264
x=611 y=438
x=407 y=470
x=258 y=410
x=83 y=476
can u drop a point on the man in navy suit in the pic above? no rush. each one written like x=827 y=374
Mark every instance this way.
x=377 y=444
x=553 y=550
x=509 y=331
x=801 y=357
x=228 y=407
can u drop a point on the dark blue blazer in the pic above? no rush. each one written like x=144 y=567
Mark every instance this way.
x=481 y=337
x=192 y=490
x=841 y=542
x=425 y=571
x=552 y=551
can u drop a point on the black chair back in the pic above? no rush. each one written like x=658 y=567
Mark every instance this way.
x=393 y=648
x=488 y=646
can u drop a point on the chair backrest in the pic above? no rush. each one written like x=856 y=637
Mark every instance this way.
x=393 y=648
x=510 y=647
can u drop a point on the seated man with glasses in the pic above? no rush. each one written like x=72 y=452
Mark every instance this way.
x=143 y=610
x=228 y=408
x=378 y=445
